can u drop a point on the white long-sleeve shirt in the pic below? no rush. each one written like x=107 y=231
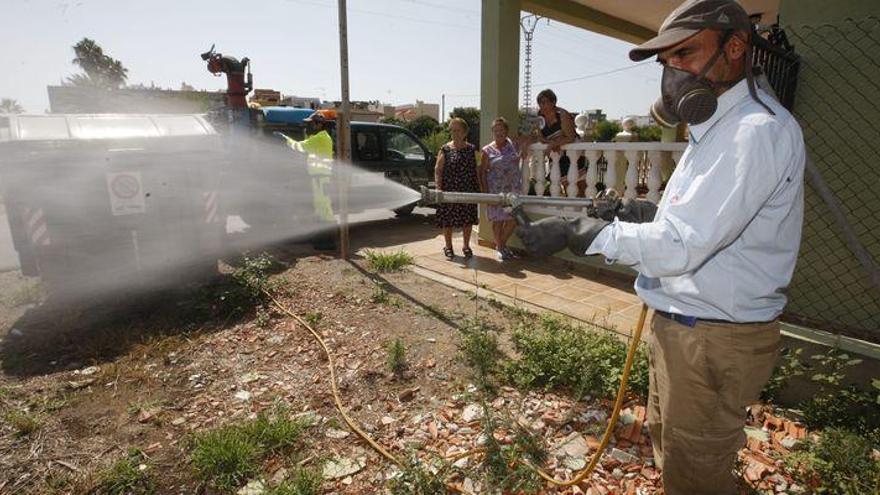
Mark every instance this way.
x=727 y=232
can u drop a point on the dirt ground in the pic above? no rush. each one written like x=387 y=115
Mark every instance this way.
x=103 y=380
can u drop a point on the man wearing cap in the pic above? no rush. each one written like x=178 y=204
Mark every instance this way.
x=319 y=147
x=716 y=259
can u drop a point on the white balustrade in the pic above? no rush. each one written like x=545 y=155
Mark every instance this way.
x=647 y=164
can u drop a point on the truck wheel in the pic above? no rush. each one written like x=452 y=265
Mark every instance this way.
x=405 y=210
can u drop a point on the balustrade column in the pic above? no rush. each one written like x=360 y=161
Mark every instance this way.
x=631 y=178
x=572 y=188
x=592 y=172
x=555 y=176
x=611 y=157
x=538 y=172
x=655 y=161
x=525 y=166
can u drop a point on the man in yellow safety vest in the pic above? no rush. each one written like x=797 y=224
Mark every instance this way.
x=319 y=148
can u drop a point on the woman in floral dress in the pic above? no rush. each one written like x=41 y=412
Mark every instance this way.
x=456 y=170
x=500 y=173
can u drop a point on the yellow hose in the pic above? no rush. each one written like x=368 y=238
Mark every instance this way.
x=609 y=430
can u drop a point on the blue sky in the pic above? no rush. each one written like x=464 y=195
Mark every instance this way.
x=400 y=50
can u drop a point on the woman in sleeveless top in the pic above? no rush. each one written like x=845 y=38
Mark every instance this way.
x=456 y=170
x=558 y=128
x=500 y=173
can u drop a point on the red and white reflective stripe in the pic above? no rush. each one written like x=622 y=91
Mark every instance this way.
x=210 y=198
x=35 y=223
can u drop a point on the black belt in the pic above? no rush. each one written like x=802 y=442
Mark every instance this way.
x=691 y=321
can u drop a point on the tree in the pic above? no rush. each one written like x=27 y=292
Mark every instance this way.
x=8 y=105
x=392 y=121
x=648 y=133
x=100 y=70
x=605 y=131
x=423 y=126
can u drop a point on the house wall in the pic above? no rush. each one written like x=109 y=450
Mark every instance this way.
x=837 y=106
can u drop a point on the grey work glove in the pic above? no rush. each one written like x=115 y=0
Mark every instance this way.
x=550 y=235
x=627 y=210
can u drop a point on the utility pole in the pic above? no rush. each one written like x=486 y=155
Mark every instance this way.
x=343 y=135
x=442 y=107
x=528 y=23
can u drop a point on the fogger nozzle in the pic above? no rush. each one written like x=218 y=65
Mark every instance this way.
x=513 y=200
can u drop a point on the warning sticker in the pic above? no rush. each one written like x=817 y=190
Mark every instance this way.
x=126 y=193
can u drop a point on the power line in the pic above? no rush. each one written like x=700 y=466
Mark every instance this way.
x=393 y=16
x=598 y=74
x=439 y=6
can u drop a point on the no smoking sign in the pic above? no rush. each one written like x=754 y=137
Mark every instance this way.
x=126 y=193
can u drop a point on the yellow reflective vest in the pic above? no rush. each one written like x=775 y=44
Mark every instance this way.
x=319 y=148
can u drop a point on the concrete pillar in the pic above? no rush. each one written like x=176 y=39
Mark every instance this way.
x=499 y=65
x=499 y=76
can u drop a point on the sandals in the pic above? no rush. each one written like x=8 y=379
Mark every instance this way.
x=449 y=253
x=468 y=254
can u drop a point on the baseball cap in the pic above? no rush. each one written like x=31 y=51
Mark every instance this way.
x=690 y=18
x=315 y=117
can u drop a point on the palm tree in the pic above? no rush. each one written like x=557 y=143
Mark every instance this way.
x=8 y=105
x=100 y=70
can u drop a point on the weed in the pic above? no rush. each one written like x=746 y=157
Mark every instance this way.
x=29 y=293
x=788 y=367
x=127 y=476
x=553 y=353
x=397 y=357
x=380 y=295
x=23 y=422
x=263 y=316
x=275 y=432
x=839 y=462
x=235 y=295
x=837 y=404
x=229 y=455
x=414 y=479
x=313 y=318
x=302 y=482
x=388 y=262
x=480 y=350
x=225 y=456
x=501 y=464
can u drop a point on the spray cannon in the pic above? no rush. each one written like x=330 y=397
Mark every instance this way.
x=515 y=201
x=237 y=86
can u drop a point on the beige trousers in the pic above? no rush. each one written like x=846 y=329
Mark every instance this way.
x=701 y=380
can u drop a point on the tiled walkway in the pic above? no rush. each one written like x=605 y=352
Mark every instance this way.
x=579 y=292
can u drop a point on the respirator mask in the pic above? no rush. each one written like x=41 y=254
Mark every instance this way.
x=685 y=97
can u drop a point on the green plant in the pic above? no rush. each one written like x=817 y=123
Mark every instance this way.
x=127 y=476
x=31 y=292
x=839 y=462
x=313 y=318
x=264 y=316
x=302 y=482
x=225 y=456
x=502 y=465
x=380 y=295
x=23 y=422
x=397 y=357
x=229 y=455
x=275 y=432
x=436 y=140
x=837 y=404
x=480 y=350
x=789 y=366
x=553 y=353
x=414 y=479
x=388 y=262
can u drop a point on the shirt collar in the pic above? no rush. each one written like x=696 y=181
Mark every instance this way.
x=726 y=101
